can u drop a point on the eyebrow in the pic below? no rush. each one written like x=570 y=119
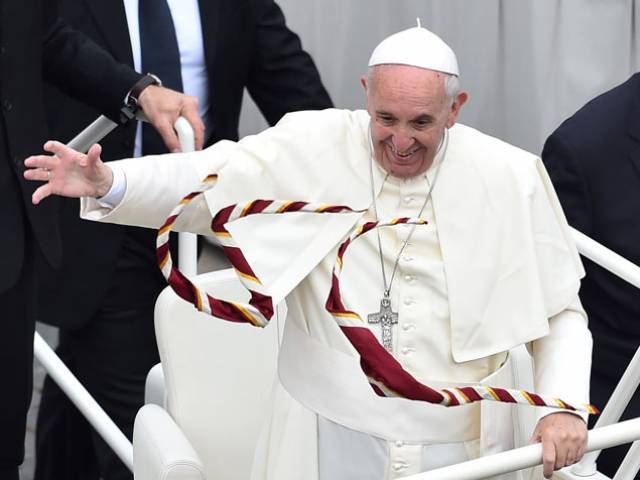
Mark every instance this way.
x=422 y=117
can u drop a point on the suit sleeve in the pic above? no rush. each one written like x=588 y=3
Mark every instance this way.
x=562 y=164
x=283 y=77
x=81 y=68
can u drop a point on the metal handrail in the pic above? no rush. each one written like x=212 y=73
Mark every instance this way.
x=630 y=379
x=56 y=369
x=83 y=400
x=631 y=463
x=529 y=456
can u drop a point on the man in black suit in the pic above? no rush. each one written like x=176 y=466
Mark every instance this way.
x=593 y=159
x=34 y=45
x=105 y=306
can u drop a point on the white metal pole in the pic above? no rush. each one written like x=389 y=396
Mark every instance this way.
x=93 y=412
x=630 y=380
x=187 y=242
x=529 y=456
x=630 y=466
x=607 y=258
x=612 y=412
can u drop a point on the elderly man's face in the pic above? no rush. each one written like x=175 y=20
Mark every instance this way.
x=409 y=112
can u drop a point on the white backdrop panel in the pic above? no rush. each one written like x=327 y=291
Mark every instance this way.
x=527 y=64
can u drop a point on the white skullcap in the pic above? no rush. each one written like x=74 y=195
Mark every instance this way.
x=417 y=47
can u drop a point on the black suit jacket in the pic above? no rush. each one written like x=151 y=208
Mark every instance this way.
x=35 y=45
x=593 y=159
x=246 y=44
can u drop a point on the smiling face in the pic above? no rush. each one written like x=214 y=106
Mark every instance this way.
x=409 y=111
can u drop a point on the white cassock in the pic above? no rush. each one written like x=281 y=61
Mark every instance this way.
x=494 y=268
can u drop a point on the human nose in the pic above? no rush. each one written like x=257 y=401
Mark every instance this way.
x=402 y=139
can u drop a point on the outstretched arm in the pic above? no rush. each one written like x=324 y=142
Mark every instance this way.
x=151 y=186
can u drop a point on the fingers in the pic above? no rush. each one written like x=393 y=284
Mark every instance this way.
x=41 y=193
x=37 y=174
x=168 y=134
x=163 y=107
x=548 y=458
x=59 y=149
x=93 y=155
x=581 y=450
x=564 y=440
x=44 y=162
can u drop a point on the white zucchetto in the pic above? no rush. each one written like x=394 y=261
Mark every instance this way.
x=417 y=47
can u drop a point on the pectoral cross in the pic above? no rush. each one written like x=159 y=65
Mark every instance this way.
x=386 y=318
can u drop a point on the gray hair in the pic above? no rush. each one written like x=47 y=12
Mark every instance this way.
x=451 y=83
x=451 y=86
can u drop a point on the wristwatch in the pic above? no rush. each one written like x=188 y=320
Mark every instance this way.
x=131 y=104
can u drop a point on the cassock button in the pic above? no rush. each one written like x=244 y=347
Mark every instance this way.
x=408 y=278
x=399 y=443
x=406 y=350
x=408 y=199
x=408 y=326
x=408 y=301
x=7 y=105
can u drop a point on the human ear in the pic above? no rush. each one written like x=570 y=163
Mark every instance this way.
x=460 y=100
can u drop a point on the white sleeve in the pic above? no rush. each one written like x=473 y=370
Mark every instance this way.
x=118 y=188
x=151 y=187
x=562 y=359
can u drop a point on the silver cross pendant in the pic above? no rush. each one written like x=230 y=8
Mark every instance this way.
x=386 y=318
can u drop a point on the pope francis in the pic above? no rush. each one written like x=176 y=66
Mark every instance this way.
x=485 y=263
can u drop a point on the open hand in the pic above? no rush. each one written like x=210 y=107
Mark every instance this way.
x=564 y=440
x=68 y=173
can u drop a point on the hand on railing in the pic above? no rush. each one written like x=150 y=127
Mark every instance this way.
x=530 y=456
x=164 y=107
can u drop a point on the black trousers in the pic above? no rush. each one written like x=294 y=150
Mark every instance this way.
x=111 y=357
x=17 y=305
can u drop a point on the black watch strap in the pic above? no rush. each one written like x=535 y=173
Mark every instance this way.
x=131 y=105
